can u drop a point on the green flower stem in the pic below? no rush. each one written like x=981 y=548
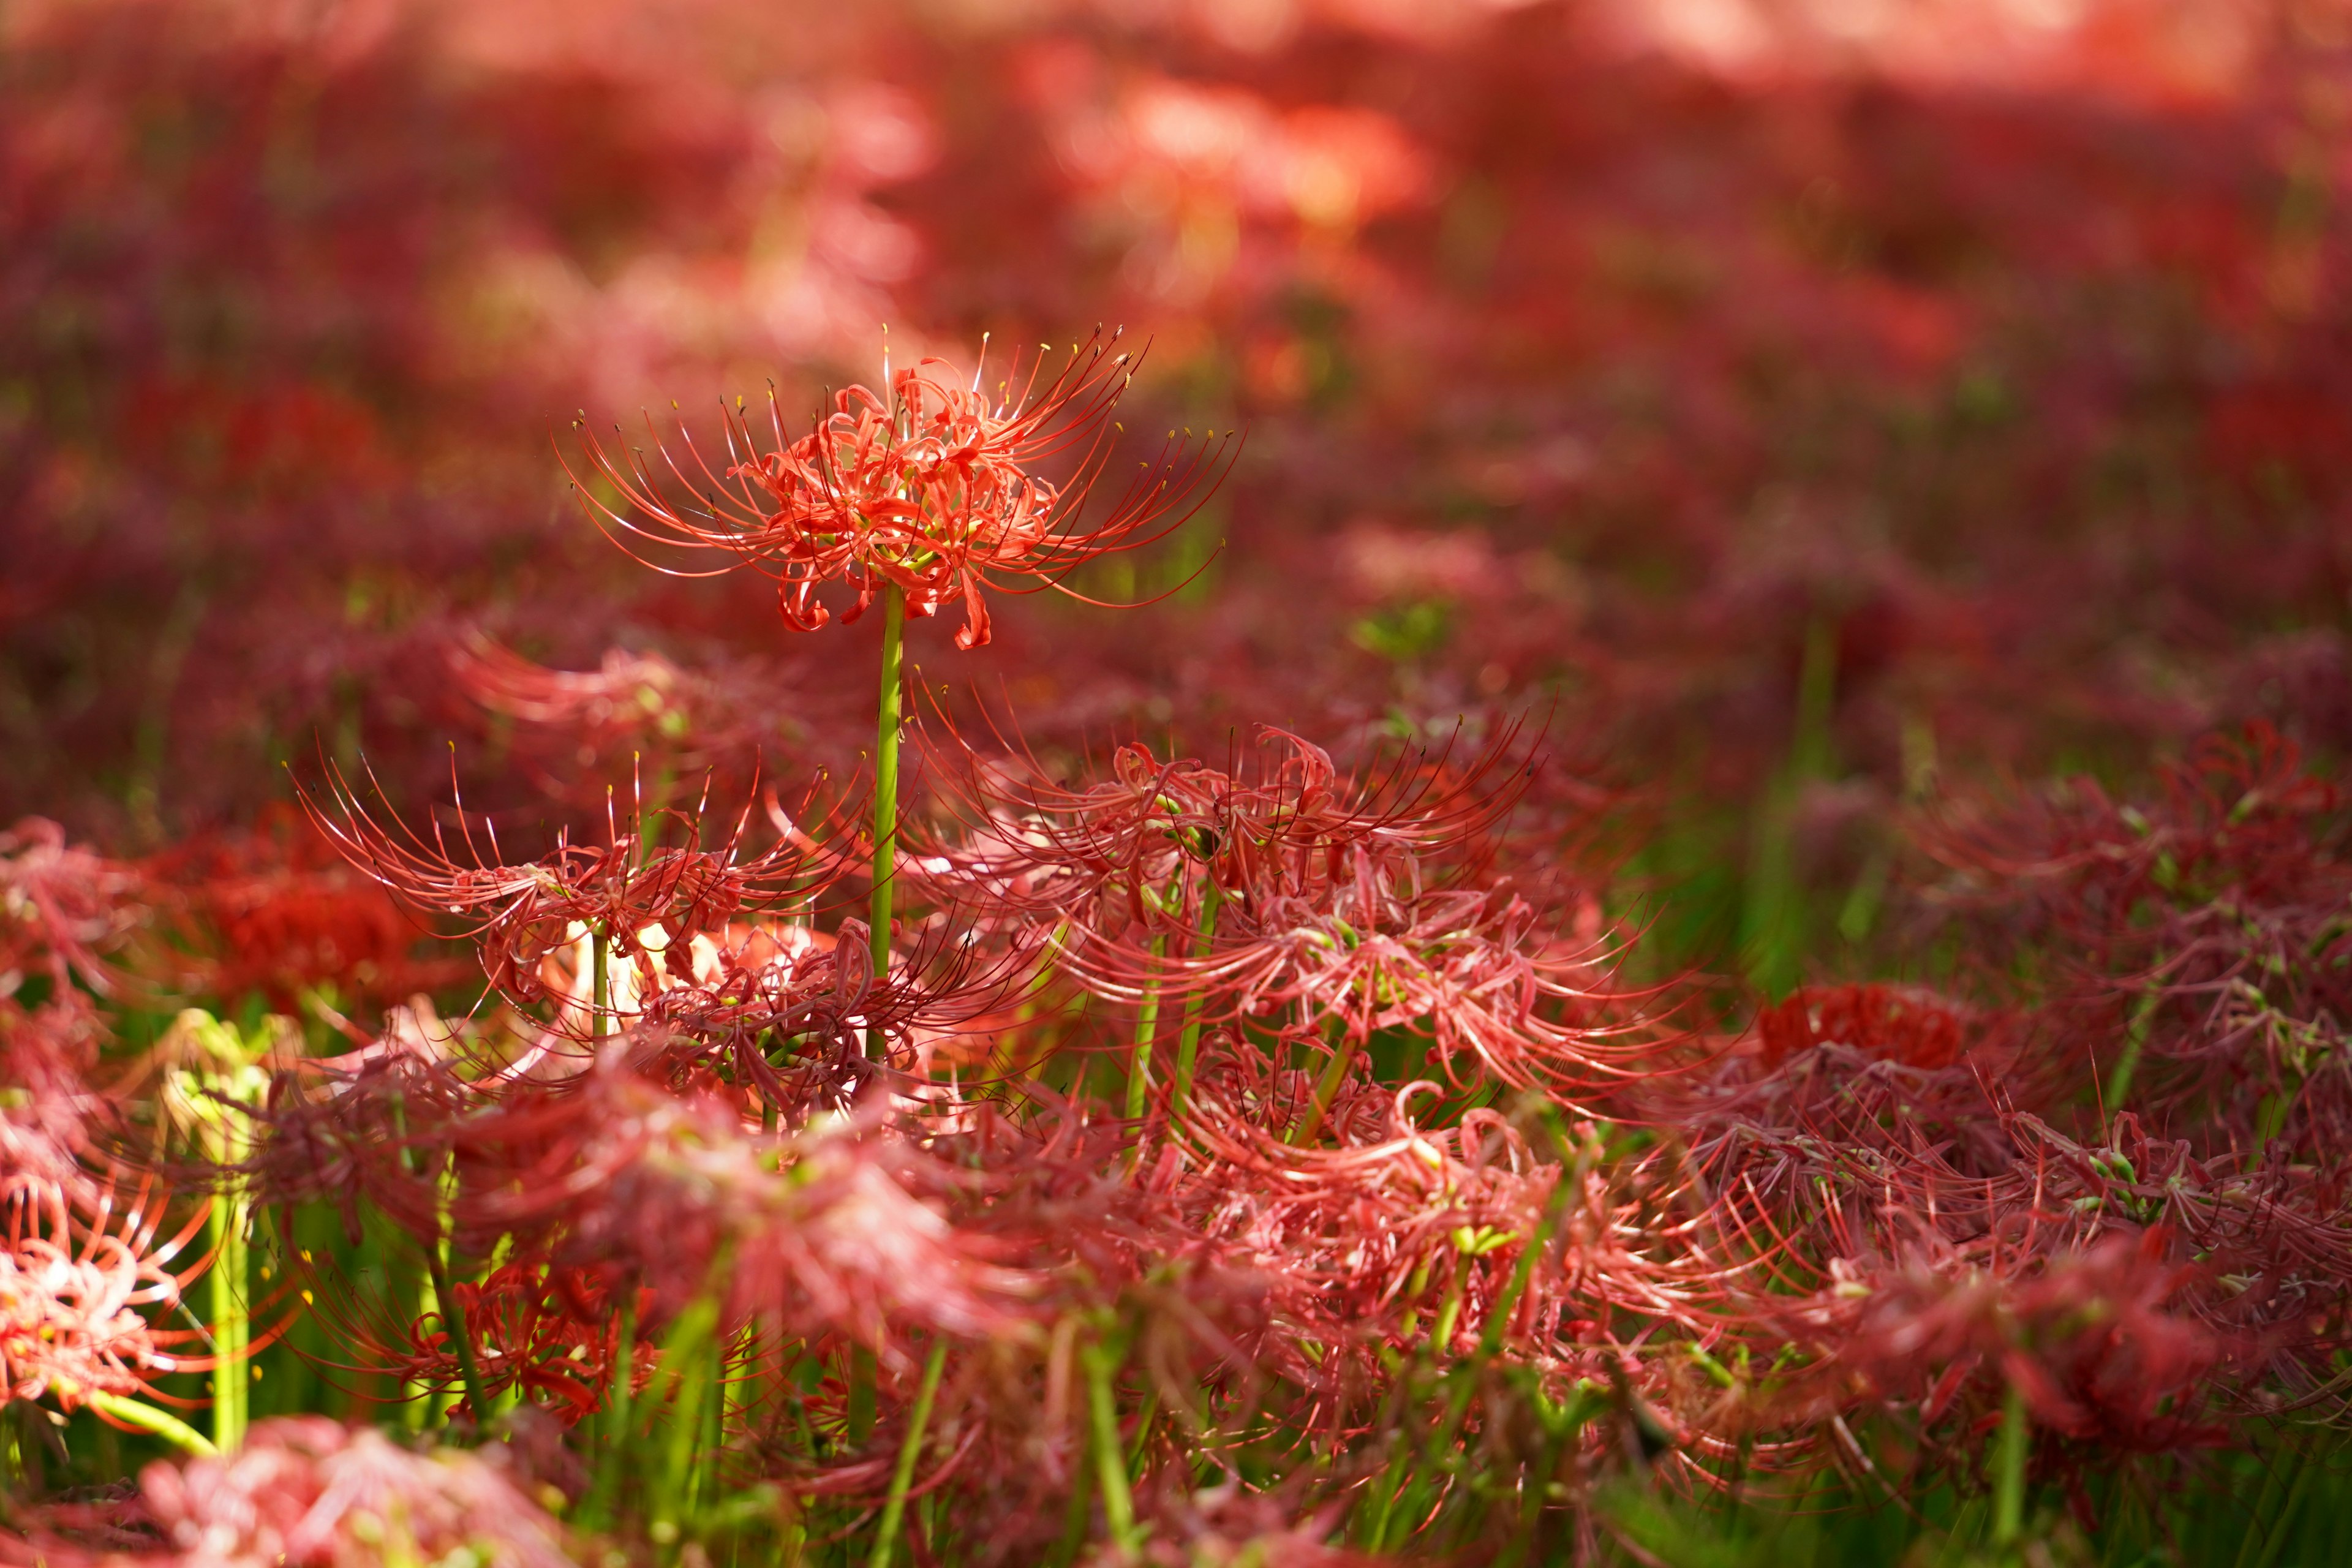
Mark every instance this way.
x=600 y=995
x=894 y=1511
x=1461 y=1382
x=2273 y=1537
x=1147 y=1029
x=2135 y=1042
x=147 y=1418
x=2009 y=1469
x=232 y=1326
x=215 y=1096
x=453 y=1319
x=885 y=854
x=437 y=1269
x=1187 y=1043
x=1327 y=1089
x=1110 y=1454
x=885 y=787
x=616 y=1417
x=686 y=1362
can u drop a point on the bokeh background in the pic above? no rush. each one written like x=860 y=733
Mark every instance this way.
x=1795 y=407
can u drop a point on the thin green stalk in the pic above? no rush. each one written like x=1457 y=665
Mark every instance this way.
x=213 y=1096
x=437 y=1269
x=894 y=1510
x=1772 y=915
x=600 y=995
x=147 y=1418
x=1147 y=1028
x=1327 y=1089
x=1449 y=1311
x=2009 y=1469
x=2284 y=1480
x=453 y=1319
x=1079 y=1506
x=682 y=1358
x=615 y=1417
x=420 y=1402
x=1144 y=1418
x=714 y=1429
x=2135 y=1041
x=1110 y=1454
x=232 y=1327
x=885 y=787
x=1464 y=1379
x=1187 y=1043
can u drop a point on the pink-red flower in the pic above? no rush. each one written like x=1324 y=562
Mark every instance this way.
x=931 y=487
x=78 y=1285
x=308 y=1492
x=624 y=891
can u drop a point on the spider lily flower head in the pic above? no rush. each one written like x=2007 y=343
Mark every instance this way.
x=1381 y=1233
x=1470 y=972
x=621 y=891
x=929 y=486
x=719 y=717
x=2220 y=901
x=1228 y=1524
x=2092 y=1340
x=1909 y=1025
x=308 y=1492
x=47 y=1107
x=824 y=1229
x=793 y=1014
x=1144 y=846
x=272 y=909
x=64 y=908
x=547 y=1333
x=77 y=1284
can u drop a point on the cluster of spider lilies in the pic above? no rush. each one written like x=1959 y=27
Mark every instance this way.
x=1283 y=1155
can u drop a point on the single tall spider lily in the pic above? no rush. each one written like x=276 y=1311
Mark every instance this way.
x=929 y=489
x=923 y=494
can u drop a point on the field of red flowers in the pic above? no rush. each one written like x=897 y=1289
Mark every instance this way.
x=1231 y=784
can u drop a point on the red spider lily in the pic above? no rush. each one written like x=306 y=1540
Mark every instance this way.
x=628 y=694
x=264 y=911
x=1905 y=1025
x=82 y=1273
x=817 y=1231
x=1382 y=1234
x=1468 y=974
x=46 y=1054
x=1325 y=909
x=64 y=908
x=620 y=893
x=1863 y=1173
x=1225 y=1524
x=548 y=1335
x=931 y=490
x=375 y=1133
x=1116 y=852
x=2090 y=1338
x=2200 y=938
x=78 y=1284
x=720 y=717
x=793 y=1014
x=308 y=1492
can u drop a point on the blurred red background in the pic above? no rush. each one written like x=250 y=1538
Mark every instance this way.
x=1595 y=359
